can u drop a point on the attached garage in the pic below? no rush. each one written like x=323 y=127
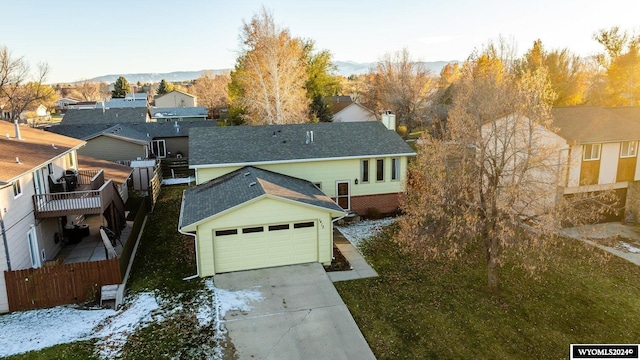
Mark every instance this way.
x=265 y=246
x=253 y=218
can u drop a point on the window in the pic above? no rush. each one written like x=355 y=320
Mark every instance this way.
x=380 y=170
x=253 y=230
x=591 y=152
x=226 y=232
x=395 y=169
x=50 y=168
x=33 y=248
x=17 y=188
x=159 y=148
x=364 y=173
x=278 y=227
x=70 y=161
x=303 y=225
x=629 y=149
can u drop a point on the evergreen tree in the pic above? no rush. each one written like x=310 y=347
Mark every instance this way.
x=120 y=88
x=164 y=87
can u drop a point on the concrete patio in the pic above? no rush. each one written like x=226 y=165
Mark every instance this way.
x=91 y=248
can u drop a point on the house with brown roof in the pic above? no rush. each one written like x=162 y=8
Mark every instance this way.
x=601 y=153
x=344 y=109
x=46 y=190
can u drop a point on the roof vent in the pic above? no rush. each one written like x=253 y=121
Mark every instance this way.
x=8 y=137
x=274 y=134
x=18 y=161
x=253 y=183
x=247 y=174
x=54 y=146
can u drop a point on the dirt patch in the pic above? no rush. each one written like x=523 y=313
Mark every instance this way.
x=339 y=262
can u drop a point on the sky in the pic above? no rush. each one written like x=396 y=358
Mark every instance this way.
x=82 y=39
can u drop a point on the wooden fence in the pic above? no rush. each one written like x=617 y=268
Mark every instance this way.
x=176 y=168
x=154 y=189
x=60 y=284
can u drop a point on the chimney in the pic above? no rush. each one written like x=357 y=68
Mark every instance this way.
x=17 y=128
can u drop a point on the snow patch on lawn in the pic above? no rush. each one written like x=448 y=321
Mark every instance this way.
x=115 y=330
x=37 y=329
x=358 y=232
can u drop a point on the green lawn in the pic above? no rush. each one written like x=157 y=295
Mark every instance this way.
x=421 y=309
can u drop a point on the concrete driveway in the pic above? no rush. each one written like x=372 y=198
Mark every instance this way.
x=301 y=316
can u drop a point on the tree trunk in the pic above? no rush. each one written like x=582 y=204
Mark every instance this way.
x=492 y=266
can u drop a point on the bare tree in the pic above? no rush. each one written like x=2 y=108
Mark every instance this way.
x=91 y=91
x=21 y=94
x=212 y=91
x=402 y=85
x=493 y=181
x=270 y=74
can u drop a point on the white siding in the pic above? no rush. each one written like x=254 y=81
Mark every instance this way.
x=4 y=302
x=353 y=113
x=18 y=219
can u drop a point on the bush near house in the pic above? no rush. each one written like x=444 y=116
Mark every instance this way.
x=421 y=309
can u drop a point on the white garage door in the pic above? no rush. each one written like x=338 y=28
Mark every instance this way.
x=265 y=246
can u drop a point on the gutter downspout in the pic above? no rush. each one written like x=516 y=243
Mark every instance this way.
x=4 y=241
x=195 y=243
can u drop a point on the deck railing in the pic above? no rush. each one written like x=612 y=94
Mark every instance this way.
x=76 y=202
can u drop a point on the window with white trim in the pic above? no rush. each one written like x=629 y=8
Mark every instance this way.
x=159 y=148
x=395 y=169
x=379 y=169
x=364 y=171
x=17 y=188
x=629 y=149
x=591 y=152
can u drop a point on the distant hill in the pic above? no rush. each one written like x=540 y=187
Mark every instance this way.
x=345 y=68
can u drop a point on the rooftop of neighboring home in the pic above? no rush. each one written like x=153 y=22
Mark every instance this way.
x=338 y=103
x=198 y=111
x=244 y=145
x=592 y=124
x=116 y=172
x=243 y=185
x=124 y=103
x=135 y=130
x=32 y=150
x=175 y=91
x=105 y=116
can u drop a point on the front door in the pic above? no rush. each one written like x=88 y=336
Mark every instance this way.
x=343 y=194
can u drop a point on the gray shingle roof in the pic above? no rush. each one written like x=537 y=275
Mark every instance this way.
x=275 y=143
x=235 y=188
x=588 y=124
x=198 y=111
x=125 y=103
x=107 y=116
x=155 y=130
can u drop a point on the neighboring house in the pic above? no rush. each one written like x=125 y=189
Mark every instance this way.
x=40 y=113
x=178 y=113
x=344 y=109
x=40 y=193
x=130 y=141
x=601 y=152
x=83 y=105
x=105 y=116
x=268 y=195
x=176 y=98
x=61 y=105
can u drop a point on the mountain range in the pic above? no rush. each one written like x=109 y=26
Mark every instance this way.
x=345 y=68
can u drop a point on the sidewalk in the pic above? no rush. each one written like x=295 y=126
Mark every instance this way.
x=360 y=269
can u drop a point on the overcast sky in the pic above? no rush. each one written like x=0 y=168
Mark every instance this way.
x=81 y=39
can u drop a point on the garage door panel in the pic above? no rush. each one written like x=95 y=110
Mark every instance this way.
x=277 y=245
